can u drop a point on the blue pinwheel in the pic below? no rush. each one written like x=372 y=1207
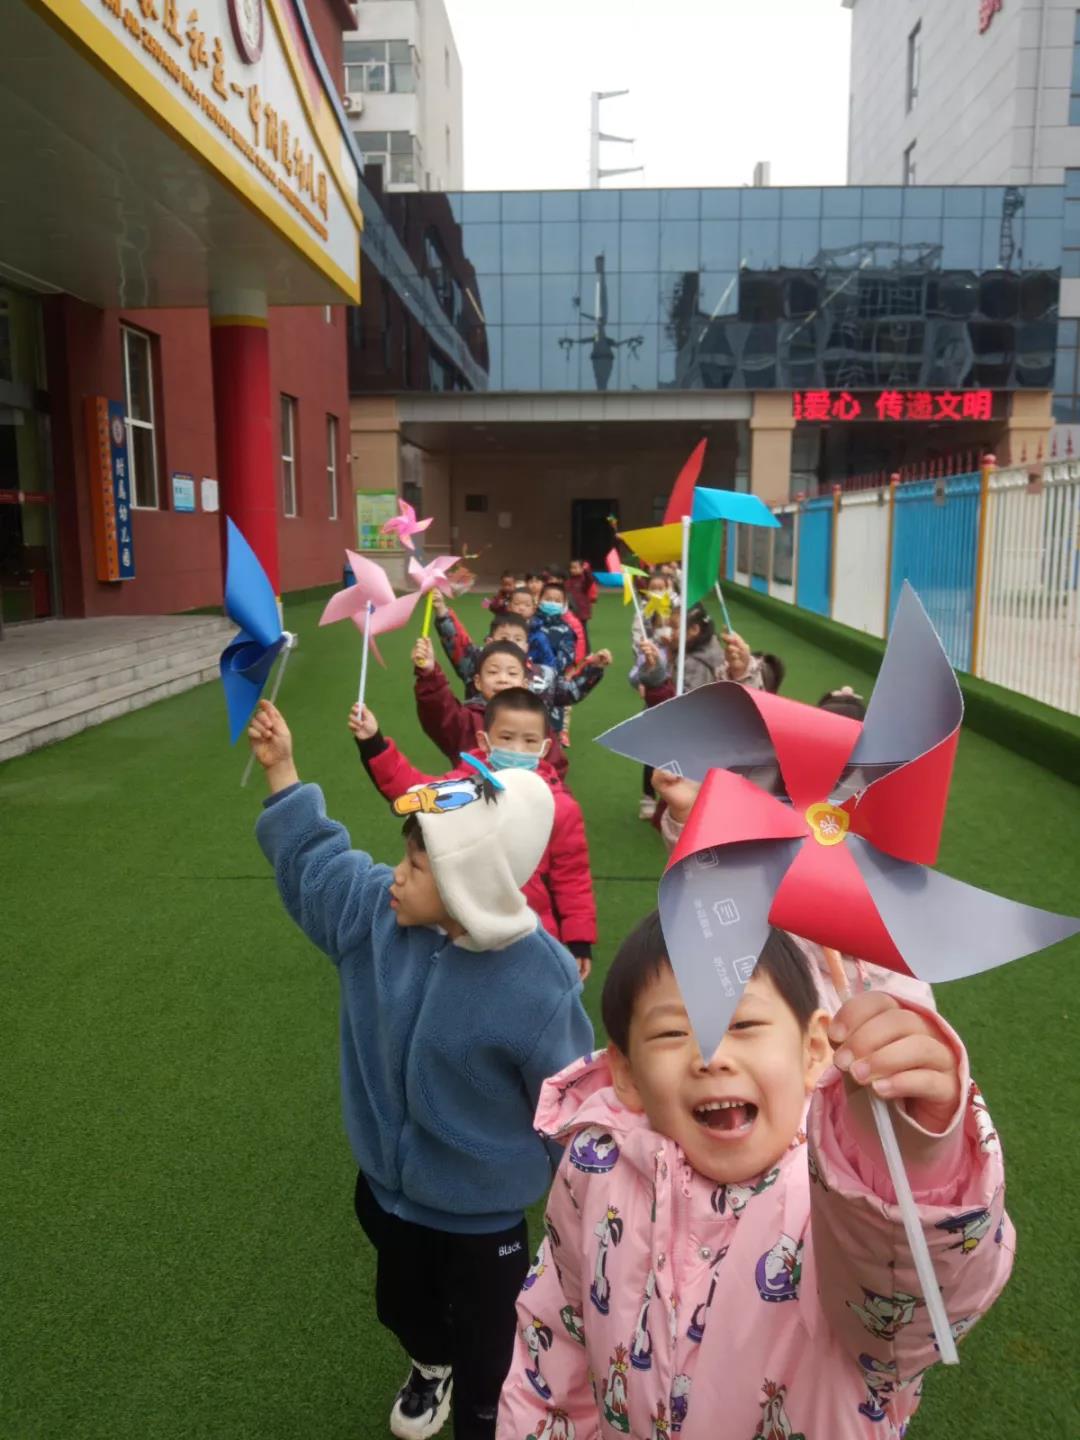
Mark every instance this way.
x=247 y=659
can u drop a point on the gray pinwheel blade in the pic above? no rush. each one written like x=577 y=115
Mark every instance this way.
x=716 y=727
x=714 y=909
x=916 y=702
x=946 y=930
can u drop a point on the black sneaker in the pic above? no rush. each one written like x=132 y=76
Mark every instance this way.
x=422 y=1403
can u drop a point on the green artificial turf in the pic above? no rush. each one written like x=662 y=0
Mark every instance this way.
x=179 y=1255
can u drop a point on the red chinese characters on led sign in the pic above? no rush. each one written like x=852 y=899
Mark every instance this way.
x=925 y=405
x=987 y=10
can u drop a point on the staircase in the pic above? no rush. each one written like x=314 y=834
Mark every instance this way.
x=58 y=677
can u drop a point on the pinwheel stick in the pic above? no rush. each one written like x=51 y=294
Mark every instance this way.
x=425 y=629
x=367 y=652
x=289 y=647
x=637 y=604
x=723 y=608
x=680 y=683
x=909 y=1213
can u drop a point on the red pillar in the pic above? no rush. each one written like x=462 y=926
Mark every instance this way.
x=244 y=421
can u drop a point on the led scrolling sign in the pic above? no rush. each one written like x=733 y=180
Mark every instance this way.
x=933 y=406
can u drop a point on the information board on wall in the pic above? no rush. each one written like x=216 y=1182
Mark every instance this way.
x=110 y=489
x=373 y=509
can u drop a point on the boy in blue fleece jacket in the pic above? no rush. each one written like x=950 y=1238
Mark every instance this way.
x=455 y=1007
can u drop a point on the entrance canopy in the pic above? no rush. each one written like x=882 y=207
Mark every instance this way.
x=157 y=151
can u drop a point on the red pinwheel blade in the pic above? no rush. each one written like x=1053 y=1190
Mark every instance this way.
x=905 y=753
x=733 y=811
x=811 y=745
x=682 y=493
x=823 y=897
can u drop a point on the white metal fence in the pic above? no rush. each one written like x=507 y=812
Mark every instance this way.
x=1029 y=631
x=997 y=565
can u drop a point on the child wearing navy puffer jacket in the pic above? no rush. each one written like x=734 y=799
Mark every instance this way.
x=455 y=1007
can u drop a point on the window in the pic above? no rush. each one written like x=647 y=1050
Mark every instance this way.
x=1074 y=87
x=288 y=457
x=914 y=65
x=331 y=465
x=476 y=504
x=139 y=418
x=397 y=151
x=379 y=67
x=909 y=165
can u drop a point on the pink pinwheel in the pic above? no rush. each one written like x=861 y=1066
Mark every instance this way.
x=433 y=576
x=405 y=525
x=372 y=587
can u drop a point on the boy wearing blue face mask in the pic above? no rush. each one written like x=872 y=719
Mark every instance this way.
x=551 y=613
x=514 y=737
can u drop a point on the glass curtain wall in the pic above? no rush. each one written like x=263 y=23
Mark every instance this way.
x=876 y=287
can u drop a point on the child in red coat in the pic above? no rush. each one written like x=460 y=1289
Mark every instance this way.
x=455 y=725
x=560 y=890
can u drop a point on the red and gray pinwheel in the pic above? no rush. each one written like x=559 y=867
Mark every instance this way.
x=821 y=826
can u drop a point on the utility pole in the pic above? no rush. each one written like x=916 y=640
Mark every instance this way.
x=596 y=135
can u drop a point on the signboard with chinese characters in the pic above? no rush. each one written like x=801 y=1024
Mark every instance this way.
x=234 y=82
x=110 y=489
x=987 y=10
x=373 y=509
x=932 y=407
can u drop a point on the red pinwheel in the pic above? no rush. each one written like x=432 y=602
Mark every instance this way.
x=821 y=826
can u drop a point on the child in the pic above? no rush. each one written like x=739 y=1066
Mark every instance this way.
x=708 y=658
x=514 y=736
x=844 y=702
x=454 y=725
x=523 y=604
x=563 y=631
x=439 y=1061
x=534 y=583
x=499 y=603
x=581 y=591
x=727 y=1263
x=772 y=669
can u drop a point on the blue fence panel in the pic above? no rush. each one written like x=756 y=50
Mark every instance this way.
x=815 y=555
x=935 y=537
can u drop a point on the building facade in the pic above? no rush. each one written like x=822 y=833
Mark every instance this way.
x=180 y=235
x=403 y=94
x=963 y=92
x=812 y=335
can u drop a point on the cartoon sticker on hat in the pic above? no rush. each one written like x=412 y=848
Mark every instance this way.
x=438 y=797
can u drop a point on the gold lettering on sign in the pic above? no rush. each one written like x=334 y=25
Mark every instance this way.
x=267 y=124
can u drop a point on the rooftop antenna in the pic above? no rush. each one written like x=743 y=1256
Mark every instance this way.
x=596 y=135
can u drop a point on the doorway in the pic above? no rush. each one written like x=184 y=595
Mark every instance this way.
x=591 y=530
x=27 y=580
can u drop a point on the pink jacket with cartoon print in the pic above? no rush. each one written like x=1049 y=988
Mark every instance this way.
x=786 y=1308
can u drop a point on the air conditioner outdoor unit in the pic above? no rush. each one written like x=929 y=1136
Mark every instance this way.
x=354 y=104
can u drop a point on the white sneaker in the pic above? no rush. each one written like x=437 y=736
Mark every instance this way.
x=423 y=1402
x=647 y=809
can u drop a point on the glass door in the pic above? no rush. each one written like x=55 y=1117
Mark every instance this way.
x=27 y=529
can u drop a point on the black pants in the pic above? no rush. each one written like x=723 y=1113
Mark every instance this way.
x=450 y=1300
x=646 y=782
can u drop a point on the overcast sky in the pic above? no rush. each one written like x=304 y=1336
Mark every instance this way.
x=716 y=85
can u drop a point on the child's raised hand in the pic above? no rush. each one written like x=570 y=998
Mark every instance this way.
x=601 y=658
x=898 y=1053
x=362 y=723
x=650 y=654
x=736 y=653
x=423 y=655
x=438 y=602
x=271 y=742
x=677 y=793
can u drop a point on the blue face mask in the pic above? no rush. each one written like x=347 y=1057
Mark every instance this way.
x=512 y=759
x=551 y=607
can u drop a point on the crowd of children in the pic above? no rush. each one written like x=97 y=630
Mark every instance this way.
x=723 y=1256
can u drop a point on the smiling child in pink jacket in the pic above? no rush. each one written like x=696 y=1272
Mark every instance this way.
x=724 y=1261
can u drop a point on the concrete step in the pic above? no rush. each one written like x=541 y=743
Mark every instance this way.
x=57 y=722
x=111 y=672
x=121 y=642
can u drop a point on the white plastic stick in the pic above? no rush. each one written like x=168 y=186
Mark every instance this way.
x=367 y=652
x=637 y=606
x=681 y=679
x=290 y=645
x=909 y=1213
